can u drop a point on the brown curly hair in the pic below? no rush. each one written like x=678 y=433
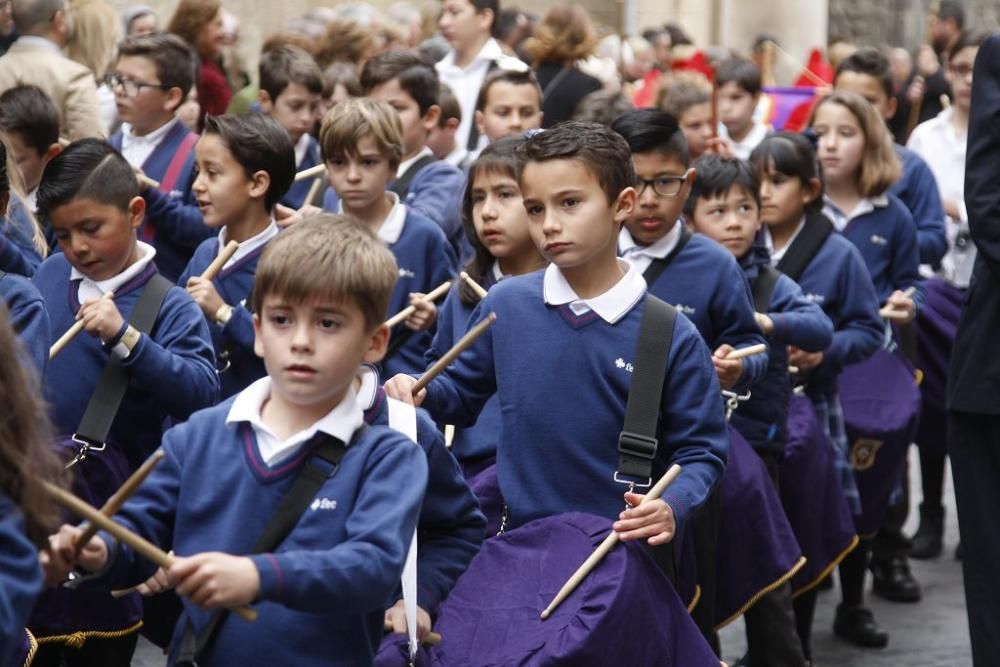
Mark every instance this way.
x=564 y=35
x=345 y=41
x=191 y=17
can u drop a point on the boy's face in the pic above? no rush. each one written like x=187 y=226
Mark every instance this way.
x=731 y=219
x=295 y=109
x=222 y=189
x=570 y=219
x=462 y=25
x=959 y=75
x=360 y=179
x=868 y=87
x=509 y=108
x=415 y=127
x=29 y=162
x=736 y=107
x=98 y=239
x=696 y=123
x=312 y=350
x=656 y=210
x=151 y=106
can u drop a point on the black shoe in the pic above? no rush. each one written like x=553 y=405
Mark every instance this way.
x=858 y=626
x=928 y=541
x=893 y=581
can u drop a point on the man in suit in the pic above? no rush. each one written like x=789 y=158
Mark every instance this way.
x=37 y=58
x=974 y=380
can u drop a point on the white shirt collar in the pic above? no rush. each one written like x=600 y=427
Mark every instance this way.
x=498 y=273
x=250 y=244
x=456 y=157
x=341 y=422
x=28 y=40
x=610 y=306
x=742 y=149
x=32 y=200
x=776 y=255
x=152 y=138
x=406 y=164
x=369 y=387
x=658 y=249
x=865 y=205
x=301 y=146
x=392 y=228
x=90 y=289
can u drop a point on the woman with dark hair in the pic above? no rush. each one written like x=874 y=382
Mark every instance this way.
x=199 y=23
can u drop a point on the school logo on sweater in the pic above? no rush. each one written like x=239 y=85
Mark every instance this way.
x=323 y=504
x=406 y=273
x=687 y=310
x=815 y=298
x=879 y=240
x=621 y=363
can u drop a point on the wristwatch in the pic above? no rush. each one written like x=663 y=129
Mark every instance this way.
x=223 y=314
x=130 y=338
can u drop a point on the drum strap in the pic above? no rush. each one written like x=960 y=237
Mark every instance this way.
x=658 y=266
x=763 y=288
x=805 y=246
x=401 y=186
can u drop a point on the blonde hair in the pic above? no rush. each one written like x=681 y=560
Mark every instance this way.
x=683 y=91
x=17 y=192
x=97 y=29
x=564 y=35
x=348 y=122
x=328 y=257
x=880 y=166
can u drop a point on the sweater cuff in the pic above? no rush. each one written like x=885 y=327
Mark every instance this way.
x=272 y=580
x=679 y=508
x=779 y=331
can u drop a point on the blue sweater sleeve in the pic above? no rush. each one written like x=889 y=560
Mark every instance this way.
x=796 y=321
x=28 y=317
x=919 y=191
x=177 y=218
x=20 y=579
x=17 y=250
x=239 y=328
x=444 y=334
x=734 y=323
x=435 y=193
x=860 y=330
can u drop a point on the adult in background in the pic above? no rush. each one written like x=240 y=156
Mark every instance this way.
x=199 y=23
x=974 y=380
x=564 y=36
x=139 y=20
x=97 y=29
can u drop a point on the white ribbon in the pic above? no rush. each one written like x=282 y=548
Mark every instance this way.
x=403 y=418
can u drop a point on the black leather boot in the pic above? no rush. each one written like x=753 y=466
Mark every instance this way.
x=928 y=541
x=857 y=625
x=892 y=580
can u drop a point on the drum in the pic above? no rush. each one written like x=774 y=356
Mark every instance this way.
x=24 y=648
x=486 y=489
x=813 y=500
x=394 y=651
x=881 y=403
x=625 y=612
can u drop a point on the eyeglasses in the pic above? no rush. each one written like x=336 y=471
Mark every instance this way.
x=130 y=87
x=663 y=186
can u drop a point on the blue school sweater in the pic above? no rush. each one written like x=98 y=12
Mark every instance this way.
x=478 y=441
x=763 y=420
x=26 y=310
x=173 y=223
x=562 y=382
x=705 y=283
x=451 y=527
x=172 y=372
x=233 y=343
x=918 y=191
x=20 y=579
x=17 y=246
x=425 y=260
x=296 y=195
x=323 y=590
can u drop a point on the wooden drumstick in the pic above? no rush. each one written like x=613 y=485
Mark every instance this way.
x=146 y=180
x=890 y=313
x=225 y=254
x=71 y=333
x=607 y=545
x=142 y=546
x=434 y=295
x=463 y=343
x=318 y=170
x=313 y=191
x=115 y=502
x=449 y=435
x=476 y=287
x=432 y=638
x=760 y=348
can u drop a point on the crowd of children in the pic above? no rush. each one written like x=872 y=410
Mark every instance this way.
x=659 y=277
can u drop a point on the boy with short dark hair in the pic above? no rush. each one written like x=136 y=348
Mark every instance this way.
x=689 y=100
x=151 y=331
x=509 y=101
x=291 y=89
x=29 y=121
x=441 y=139
x=245 y=164
x=320 y=593
x=738 y=84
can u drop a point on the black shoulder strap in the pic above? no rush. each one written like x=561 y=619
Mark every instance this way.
x=111 y=386
x=638 y=441
x=401 y=186
x=763 y=287
x=805 y=246
x=658 y=266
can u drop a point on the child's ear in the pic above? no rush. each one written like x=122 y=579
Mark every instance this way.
x=891 y=106
x=136 y=212
x=266 y=103
x=625 y=205
x=260 y=182
x=258 y=346
x=52 y=151
x=175 y=98
x=377 y=344
x=430 y=119
x=451 y=124
x=811 y=190
x=478 y=119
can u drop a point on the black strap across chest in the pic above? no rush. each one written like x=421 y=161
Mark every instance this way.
x=763 y=288
x=401 y=186
x=805 y=246
x=658 y=266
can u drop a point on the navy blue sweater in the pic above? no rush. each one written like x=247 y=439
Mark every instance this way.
x=323 y=590
x=20 y=579
x=233 y=343
x=296 y=195
x=172 y=372
x=918 y=190
x=26 y=310
x=562 y=382
x=451 y=527
x=17 y=247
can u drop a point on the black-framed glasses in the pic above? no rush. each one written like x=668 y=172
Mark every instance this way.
x=663 y=186
x=130 y=87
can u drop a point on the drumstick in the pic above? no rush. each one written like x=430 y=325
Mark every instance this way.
x=225 y=254
x=142 y=546
x=115 y=502
x=760 y=348
x=432 y=638
x=449 y=435
x=463 y=343
x=71 y=333
x=890 y=313
x=146 y=180
x=715 y=110
x=607 y=545
x=313 y=191
x=318 y=170
x=476 y=287
x=434 y=295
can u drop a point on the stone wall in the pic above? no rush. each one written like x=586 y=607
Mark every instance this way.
x=899 y=22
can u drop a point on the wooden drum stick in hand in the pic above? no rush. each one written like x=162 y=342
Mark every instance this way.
x=742 y=352
x=463 y=344
x=434 y=295
x=225 y=254
x=71 y=333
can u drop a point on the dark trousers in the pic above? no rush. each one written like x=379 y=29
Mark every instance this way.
x=706 y=549
x=890 y=542
x=974 y=448
x=115 y=652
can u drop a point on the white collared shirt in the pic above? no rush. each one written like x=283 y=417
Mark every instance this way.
x=28 y=40
x=865 y=205
x=301 y=147
x=32 y=200
x=457 y=157
x=369 y=387
x=392 y=228
x=610 y=306
x=465 y=82
x=90 y=289
x=498 y=273
x=341 y=422
x=250 y=244
x=776 y=255
x=742 y=149
x=405 y=165
x=642 y=256
x=137 y=149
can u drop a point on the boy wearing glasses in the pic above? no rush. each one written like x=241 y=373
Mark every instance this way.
x=687 y=270
x=150 y=80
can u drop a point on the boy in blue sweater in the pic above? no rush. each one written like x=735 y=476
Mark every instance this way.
x=245 y=164
x=321 y=293
x=150 y=80
x=563 y=346
x=291 y=85
x=654 y=238
x=90 y=199
x=362 y=142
